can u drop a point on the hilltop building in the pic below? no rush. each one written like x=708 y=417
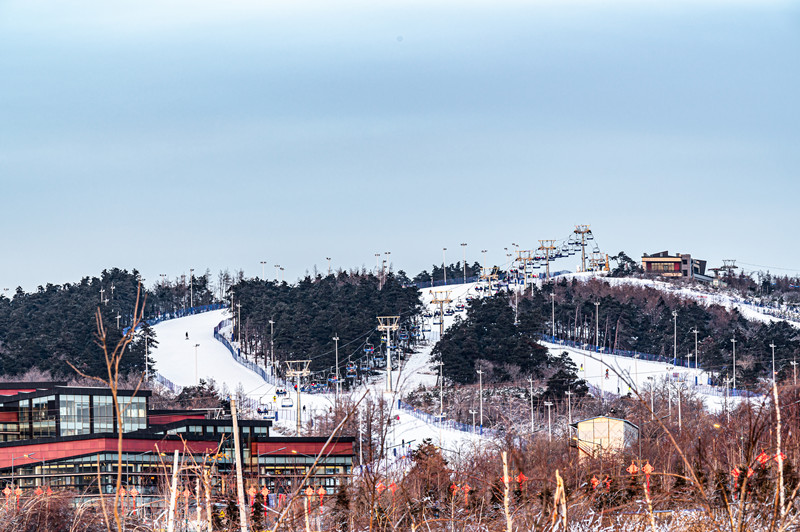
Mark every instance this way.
x=678 y=265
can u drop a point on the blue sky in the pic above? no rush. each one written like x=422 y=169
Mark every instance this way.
x=172 y=135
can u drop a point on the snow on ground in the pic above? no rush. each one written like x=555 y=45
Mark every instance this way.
x=174 y=355
x=175 y=359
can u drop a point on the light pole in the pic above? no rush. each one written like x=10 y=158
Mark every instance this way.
x=118 y=317
x=336 y=343
x=548 y=404
x=239 y=322
x=733 y=341
x=553 y=315
x=263 y=265
x=480 y=394
x=196 y=374
x=530 y=380
x=696 y=360
x=464 y=247
x=444 y=265
x=12 y=463
x=282 y=277
x=272 y=346
x=483 y=251
x=794 y=370
x=652 y=393
x=329 y=264
x=597 y=347
x=191 y=287
x=473 y=412
x=276 y=271
x=569 y=407
x=773 y=362
x=675 y=337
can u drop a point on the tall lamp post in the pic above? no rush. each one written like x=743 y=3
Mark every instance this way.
x=548 y=404
x=272 y=346
x=191 y=287
x=772 y=345
x=263 y=264
x=464 y=247
x=336 y=343
x=553 y=315
x=480 y=394
x=444 y=264
x=696 y=360
x=28 y=455
x=675 y=337
x=733 y=341
x=196 y=373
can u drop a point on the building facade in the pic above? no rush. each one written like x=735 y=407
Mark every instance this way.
x=58 y=436
x=679 y=265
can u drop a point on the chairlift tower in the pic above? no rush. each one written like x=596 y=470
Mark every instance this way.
x=547 y=246
x=297 y=369
x=728 y=265
x=387 y=324
x=441 y=297
x=525 y=257
x=585 y=233
x=489 y=276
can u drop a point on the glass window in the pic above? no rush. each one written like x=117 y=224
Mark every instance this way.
x=103 y=410
x=74 y=411
x=134 y=413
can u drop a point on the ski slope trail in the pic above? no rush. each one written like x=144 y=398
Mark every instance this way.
x=174 y=355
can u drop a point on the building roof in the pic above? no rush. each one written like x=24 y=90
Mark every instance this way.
x=605 y=417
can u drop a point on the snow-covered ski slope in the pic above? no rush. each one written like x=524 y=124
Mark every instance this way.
x=175 y=359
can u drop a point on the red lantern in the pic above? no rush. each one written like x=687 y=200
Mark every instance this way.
x=380 y=487
x=321 y=492
x=594 y=482
x=252 y=492
x=762 y=458
x=466 y=490
x=392 y=487
x=521 y=478
x=632 y=469
x=309 y=491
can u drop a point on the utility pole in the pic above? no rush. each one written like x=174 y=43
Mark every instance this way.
x=696 y=360
x=336 y=343
x=297 y=369
x=652 y=394
x=548 y=404
x=480 y=395
x=191 y=287
x=794 y=370
x=733 y=341
x=464 y=247
x=239 y=480
x=530 y=381
x=387 y=324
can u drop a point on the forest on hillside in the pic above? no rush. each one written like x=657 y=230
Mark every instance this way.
x=627 y=317
x=55 y=325
x=306 y=316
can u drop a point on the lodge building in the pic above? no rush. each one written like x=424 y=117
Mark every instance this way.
x=65 y=437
